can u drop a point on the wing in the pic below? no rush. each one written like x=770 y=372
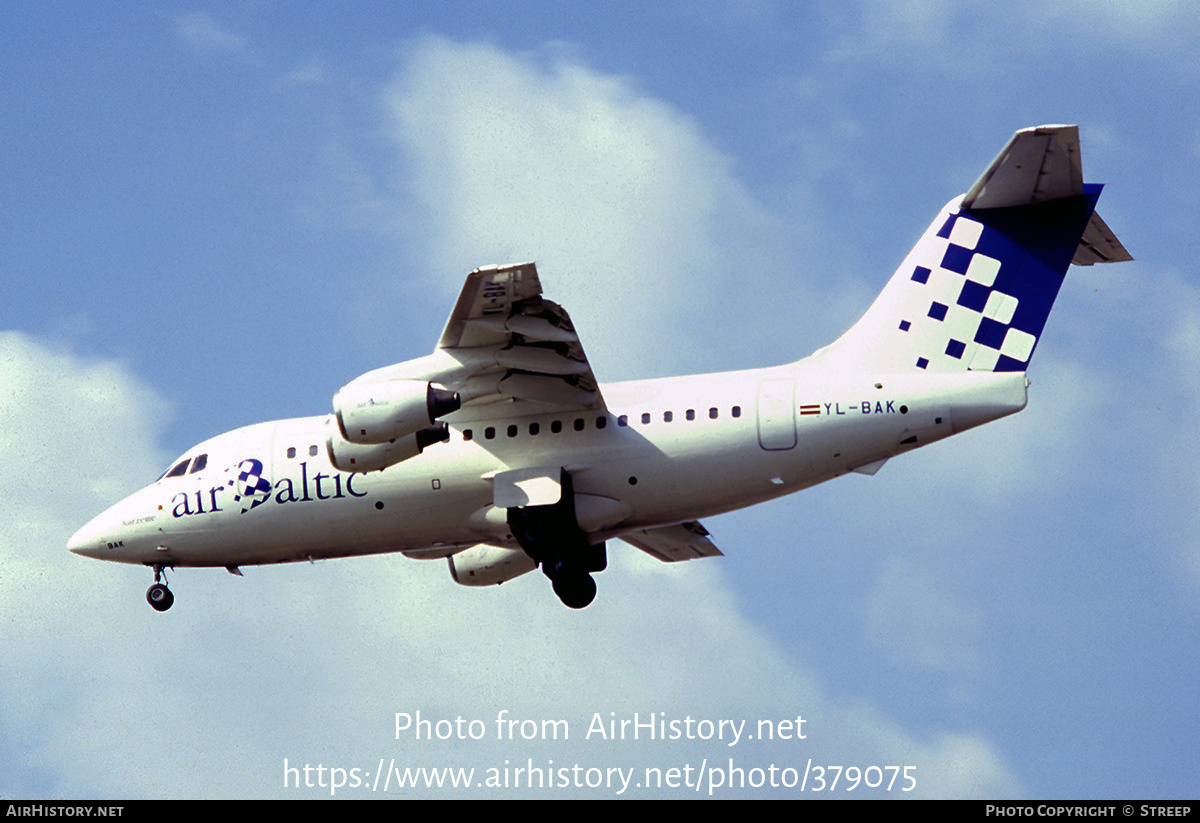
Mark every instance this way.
x=510 y=343
x=686 y=541
x=503 y=344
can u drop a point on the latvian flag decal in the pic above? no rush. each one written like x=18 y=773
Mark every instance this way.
x=811 y=408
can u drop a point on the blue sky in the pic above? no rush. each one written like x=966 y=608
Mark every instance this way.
x=216 y=214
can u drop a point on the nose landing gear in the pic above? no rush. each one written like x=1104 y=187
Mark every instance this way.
x=158 y=595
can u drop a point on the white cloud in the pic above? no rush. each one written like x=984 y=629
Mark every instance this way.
x=75 y=434
x=204 y=35
x=939 y=27
x=514 y=156
x=310 y=663
x=637 y=222
x=59 y=411
x=1144 y=20
x=913 y=617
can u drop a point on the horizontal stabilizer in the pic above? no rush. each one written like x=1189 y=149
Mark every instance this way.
x=1040 y=164
x=1099 y=245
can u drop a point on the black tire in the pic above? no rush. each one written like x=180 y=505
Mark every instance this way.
x=159 y=597
x=576 y=591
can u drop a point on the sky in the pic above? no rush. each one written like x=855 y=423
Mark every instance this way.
x=214 y=214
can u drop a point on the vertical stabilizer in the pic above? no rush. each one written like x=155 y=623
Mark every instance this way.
x=975 y=291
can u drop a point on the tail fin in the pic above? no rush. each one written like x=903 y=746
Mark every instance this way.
x=975 y=291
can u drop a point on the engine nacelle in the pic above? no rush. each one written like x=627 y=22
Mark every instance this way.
x=485 y=565
x=368 y=457
x=389 y=410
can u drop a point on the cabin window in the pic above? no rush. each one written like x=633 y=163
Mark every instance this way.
x=534 y=428
x=668 y=416
x=468 y=434
x=623 y=420
x=556 y=426
x=645 y=418
x=291 y=452
x=601 y=422
x=512 y=430
x=312 y=451
x=737 y=411
x=690 y=414
x=489 y=433
x=712 y=413
x=579 y=424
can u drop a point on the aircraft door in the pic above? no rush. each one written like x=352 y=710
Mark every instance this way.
x=777 y=414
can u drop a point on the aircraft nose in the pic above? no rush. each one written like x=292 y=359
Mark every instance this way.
x=90 y=540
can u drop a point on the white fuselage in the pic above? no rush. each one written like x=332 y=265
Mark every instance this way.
x=662 y=452
x=504 y=428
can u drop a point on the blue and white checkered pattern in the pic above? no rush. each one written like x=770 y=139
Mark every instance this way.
x=972 y=307
x=251 y=483
x=980 y=284
x=974 y=293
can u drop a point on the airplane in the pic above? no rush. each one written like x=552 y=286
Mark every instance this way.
x=501 y=453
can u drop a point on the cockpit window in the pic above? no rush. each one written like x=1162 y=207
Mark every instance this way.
x=180 y=470
x=199 y=463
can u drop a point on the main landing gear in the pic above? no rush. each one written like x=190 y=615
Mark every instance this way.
x=551 y=536
x=158 y=595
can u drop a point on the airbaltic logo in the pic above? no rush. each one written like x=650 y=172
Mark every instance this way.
x=251 y=484
x=252 y=489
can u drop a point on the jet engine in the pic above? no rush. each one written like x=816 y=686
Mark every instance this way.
x=369 y=457
x=379 y=412
x=485 y=565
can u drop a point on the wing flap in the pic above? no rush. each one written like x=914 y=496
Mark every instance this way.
x=686 y=541
x=515 y=345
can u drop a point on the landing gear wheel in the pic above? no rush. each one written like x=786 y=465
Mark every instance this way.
x=160 y=597
x=575 y=590
x=550 y=534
